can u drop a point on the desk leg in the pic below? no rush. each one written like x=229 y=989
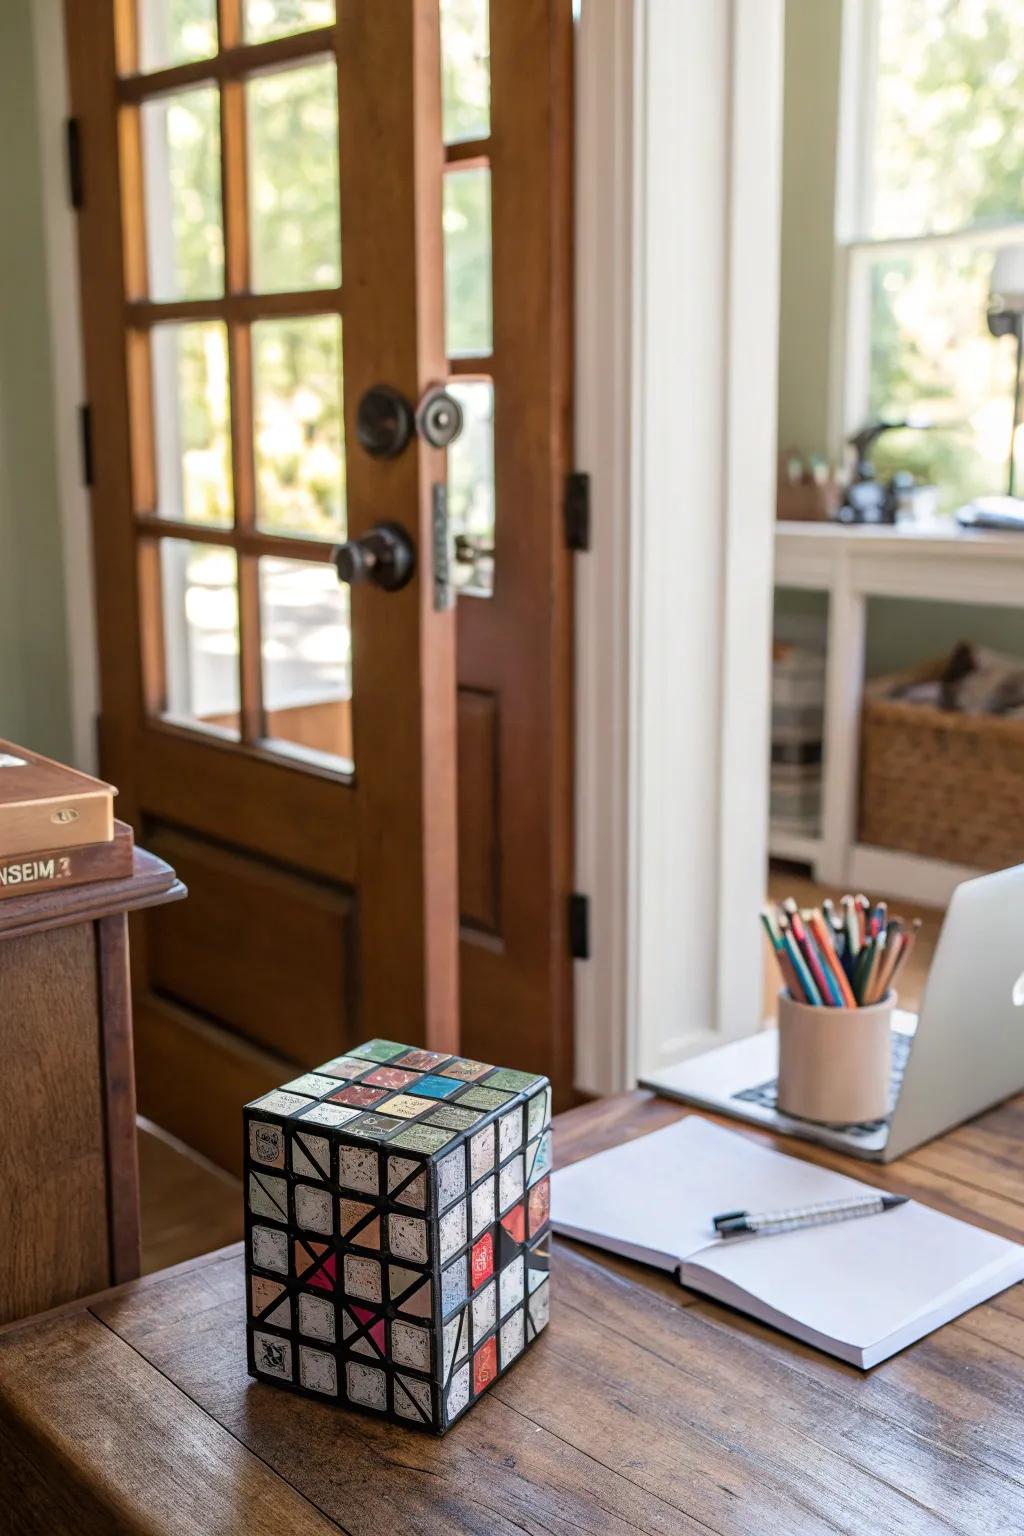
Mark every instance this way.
x=844 y=688
x=119 y=1098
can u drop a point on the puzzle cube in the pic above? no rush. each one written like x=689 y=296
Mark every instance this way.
x=396 y=1230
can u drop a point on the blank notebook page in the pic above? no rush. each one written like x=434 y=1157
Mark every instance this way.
x=855 y=1282
x=654 y=1197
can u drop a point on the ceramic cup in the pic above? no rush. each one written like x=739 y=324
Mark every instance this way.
x=834 y=1063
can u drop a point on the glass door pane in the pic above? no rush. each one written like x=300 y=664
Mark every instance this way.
x=465 y=70
x=176 y=32
x=299 y=441
x=267 y=19
x=200 y=640
x=307 y=660
x=467 y=262
x=192 y=423
x=181 y=162
x=293 y=178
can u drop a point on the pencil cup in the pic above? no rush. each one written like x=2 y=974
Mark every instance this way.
x=834 y=1063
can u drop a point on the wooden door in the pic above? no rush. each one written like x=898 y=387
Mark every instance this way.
x=282 y=207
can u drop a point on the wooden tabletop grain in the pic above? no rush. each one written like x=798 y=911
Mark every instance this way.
x=644 y=1409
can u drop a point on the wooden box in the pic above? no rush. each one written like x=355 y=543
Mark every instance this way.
x=45 y=805
x=397 y=1237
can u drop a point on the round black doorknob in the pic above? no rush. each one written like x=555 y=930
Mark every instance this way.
x=439 y=418
x=385 y=422
x=386 y=556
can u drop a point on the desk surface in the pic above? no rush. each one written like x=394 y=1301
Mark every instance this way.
x=644 y=1409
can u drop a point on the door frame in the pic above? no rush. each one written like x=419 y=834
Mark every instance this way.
x=676 y=374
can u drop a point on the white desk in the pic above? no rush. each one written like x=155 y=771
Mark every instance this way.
x=851 y=565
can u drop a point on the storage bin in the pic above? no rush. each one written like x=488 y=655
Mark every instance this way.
x=937 y=783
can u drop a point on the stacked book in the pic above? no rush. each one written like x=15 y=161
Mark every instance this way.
x=798 y=722
x=57 y=826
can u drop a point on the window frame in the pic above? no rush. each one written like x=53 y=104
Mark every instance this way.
x=855 y=249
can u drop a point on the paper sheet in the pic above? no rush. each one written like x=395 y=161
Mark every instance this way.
x=856 y=1283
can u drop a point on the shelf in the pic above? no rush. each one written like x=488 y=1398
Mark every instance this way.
x=906 y=876
x=798 y=847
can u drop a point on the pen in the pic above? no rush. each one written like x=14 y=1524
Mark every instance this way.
x=767 y=1223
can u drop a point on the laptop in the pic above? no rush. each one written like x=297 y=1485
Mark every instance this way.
x=962 y=1053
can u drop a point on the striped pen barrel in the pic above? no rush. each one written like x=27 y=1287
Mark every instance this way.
x=768 y=1223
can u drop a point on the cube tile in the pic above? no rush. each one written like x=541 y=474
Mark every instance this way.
x=397 y=1230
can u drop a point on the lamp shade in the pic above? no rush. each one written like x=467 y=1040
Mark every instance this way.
x=1007 y=286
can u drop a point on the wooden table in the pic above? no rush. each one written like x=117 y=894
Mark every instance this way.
x=69 y=1187
x=643 y=1409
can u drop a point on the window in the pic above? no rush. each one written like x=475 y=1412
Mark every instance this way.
x=934 y=171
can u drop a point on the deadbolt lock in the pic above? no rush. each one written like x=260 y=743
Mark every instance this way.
x=439 y=417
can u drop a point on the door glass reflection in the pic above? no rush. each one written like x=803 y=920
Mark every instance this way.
x=299 y=429
x=181 y=163
x=471 y=487
x=176 y=32
x=191 y=419
x=465 y=70
x=293 y=178
x=199 y=585
x=265 y=19
x=307 y=661
x=467 y=262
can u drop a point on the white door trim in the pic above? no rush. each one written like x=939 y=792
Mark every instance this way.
x=676 y=379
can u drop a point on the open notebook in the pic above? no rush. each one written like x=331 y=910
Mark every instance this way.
x=858 y=1289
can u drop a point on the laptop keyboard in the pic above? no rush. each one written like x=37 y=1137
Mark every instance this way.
x=767 y=1094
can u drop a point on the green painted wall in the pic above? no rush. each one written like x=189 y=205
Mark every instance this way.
x=901 y=633
x=810 y=121
x=34 y=696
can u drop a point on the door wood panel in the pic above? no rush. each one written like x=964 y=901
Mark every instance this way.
x=198 y=1074
x=268 y=952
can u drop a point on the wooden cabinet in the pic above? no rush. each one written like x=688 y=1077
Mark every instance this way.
x=68 y=1163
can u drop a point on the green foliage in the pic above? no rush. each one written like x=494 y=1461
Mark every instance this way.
x=465 y=70
x=949 y=153
x=467 y=262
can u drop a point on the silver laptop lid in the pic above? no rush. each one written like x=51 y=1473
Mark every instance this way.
x=969 y=1049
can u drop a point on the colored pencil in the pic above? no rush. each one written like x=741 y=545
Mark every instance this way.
x=829 y=994
x=820 y=928
x=782 y=960
x=906 y=946
x=807 y=982
x=826 y=955
x=843 y=954
x=893 y=940
x=871 y=978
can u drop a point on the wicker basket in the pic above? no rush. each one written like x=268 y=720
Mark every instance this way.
x=940 y=784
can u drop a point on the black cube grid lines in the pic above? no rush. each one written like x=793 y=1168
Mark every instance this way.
x=397 y=1230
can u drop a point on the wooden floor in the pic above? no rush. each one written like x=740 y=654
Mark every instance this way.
x=190 y=1207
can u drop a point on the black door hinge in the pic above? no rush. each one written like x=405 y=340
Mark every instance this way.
x=73 y=136
x=85 y=441
x=577 y=511
x=579 y=926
